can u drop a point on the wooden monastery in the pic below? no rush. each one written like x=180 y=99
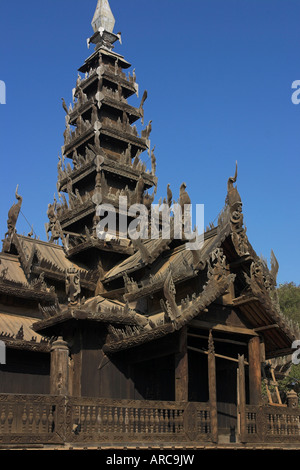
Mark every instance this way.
x=110 y=341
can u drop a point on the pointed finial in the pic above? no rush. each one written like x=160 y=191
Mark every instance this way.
x=103 y=17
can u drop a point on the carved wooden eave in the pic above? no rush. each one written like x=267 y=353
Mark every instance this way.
x=92 y=310
x=121 y=80
x=120 y=340
x=80 y=109
x=70 y=216
x=26 y=256
x=134 y=113
x=128 y=87
x=109 y=166
x=17 y=333
x=85 y=209
x=150 y=255
x=146 y=252
x=34 y=291
x=127 y=137
x=173 y=317
x=34 y=262
x=152 y=284
x=260 y=306
x=32 y=346
x=129 y=173
x=219 y=281
x=14 y=281
x=90 y=61
x=213 y=239
x=76 y=175
x=111 y=131
x=104 y=245
x=88 y=279
x=191 y=263
x=84 y=137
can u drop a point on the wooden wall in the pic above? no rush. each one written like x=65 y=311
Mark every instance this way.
x=25 y=372
x=120 y=376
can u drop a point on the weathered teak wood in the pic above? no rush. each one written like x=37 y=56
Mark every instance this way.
x=32 y=419
x=266 y=327
x=212 y=386
x=254 y=370
x=274 y=383
x=181 y=369
x=39 y=419
x=59 y=378
x=242 y=398
x=220 y=327
x=221 y=356
x=276 y=386
x=219 y=340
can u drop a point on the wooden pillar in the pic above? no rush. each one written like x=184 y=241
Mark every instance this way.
x=242 y=398
x=181 y=368
x=212 y=388
x=59 y=372
x=254 y=370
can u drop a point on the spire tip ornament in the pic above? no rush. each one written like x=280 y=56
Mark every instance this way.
x=103 y=25
x=103 y=18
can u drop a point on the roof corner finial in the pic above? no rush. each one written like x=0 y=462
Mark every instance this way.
x=103 y=18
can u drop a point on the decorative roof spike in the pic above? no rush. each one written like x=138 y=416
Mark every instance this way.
x=103 y=18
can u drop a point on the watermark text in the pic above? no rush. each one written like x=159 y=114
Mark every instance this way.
x=2 y=352
x=2 y=92
x=159 y=222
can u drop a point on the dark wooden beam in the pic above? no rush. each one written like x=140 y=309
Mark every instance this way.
x=242 y=398
x=220 y=340
x=221 y=356
x=221 y=327
x=181 y=368
x=244 y=299
x=254 y=370
x=212 y=389
x=266 y=327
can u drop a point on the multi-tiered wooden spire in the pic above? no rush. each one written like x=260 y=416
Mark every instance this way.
x=102 y=147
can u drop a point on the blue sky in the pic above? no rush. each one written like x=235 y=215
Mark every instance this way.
x=219 y=76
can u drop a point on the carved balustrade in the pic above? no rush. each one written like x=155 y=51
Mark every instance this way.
x=271 y=424
x=28 y=419
x=44 y=419
x=50 y=420
x=122 y=421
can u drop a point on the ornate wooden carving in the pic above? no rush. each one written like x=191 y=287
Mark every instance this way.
x=261 y=287
x=170 y=306
x=13 y=215
x=73 y=288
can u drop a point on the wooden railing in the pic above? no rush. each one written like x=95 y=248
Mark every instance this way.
x=43 y=419
x=271 y=423
x=127 y=421
x=50 y=420
x=31 y=419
